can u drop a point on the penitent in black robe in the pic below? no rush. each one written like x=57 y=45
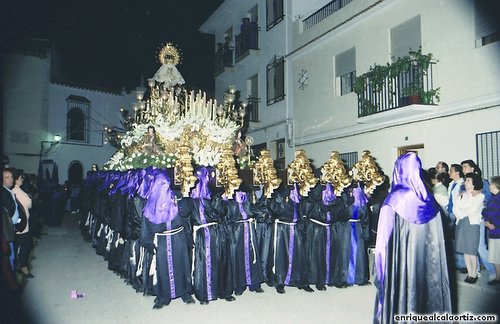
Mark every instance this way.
x=264 y=234
x=204 y=219
x=171 y=272
x=357 y=268
x=245 y=258
x=289 y=257
x=319 y=240
x=341 y=241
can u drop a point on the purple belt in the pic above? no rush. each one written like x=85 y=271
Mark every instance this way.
x=354 y=246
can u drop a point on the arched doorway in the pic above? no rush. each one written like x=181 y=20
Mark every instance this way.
x=75 y=172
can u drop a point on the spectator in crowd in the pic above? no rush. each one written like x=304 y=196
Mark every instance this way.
x=23 y=241
x=457 y=180
x=219 y=57
x=442 y=167
x=470 y=166
x=491 y=214
x=13 y=219
x=12 y=208
x=456 y=177
x=467 y=209
x=227 y=52
x=439 y=183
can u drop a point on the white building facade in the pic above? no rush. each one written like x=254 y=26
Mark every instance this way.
x=326 y=44
x=48 y=122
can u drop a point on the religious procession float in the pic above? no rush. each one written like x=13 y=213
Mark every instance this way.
x=184 y=206
x=176 y=129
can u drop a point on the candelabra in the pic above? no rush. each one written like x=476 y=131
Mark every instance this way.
x=367 y=171
x=176 y=103
x=301 y=173
x=334 y=172
x=227 y=174
x=264 y=173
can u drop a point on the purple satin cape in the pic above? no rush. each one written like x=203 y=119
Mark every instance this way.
x=201 y=190
x=160 y=207
x=360 y=198
x=328 y=195
x=410 y=199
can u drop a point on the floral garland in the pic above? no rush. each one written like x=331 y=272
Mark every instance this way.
x=139 y=160
x=207 y=140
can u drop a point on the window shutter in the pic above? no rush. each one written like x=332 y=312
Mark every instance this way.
x=345 y=62
x=406 y=36
x=486 y=17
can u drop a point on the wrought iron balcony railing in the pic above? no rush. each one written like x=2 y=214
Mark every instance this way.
x=325 y=12
x=396 y=85
x=253 y=109
x=246 y=40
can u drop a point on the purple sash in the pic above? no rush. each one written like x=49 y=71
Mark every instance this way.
x=295 y=197
x=170 y=262
x=328 y=196
x=360 y=200
x=241 y=198
x=201 y=192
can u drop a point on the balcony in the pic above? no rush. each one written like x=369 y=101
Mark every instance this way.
x=223 y=61
x=247 y=40
x=323 y=13
x=405 y=82
x=253 y=109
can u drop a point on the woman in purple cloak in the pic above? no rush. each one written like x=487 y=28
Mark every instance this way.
x=410 y=257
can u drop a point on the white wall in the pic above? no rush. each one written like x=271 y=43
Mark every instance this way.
x=469 y=79
x=104 y=110
x=25 y=107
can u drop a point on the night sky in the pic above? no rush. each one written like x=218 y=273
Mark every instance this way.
x=111 y=43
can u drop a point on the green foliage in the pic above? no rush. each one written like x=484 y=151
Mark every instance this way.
x=377 y=76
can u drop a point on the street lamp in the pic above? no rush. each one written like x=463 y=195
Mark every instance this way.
x=57 y=140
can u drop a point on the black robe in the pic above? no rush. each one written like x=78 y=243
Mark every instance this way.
x=319 y=240
x=134 y=252
x=289 y=257
x=206 y=250
x=357 y=269
x=416 y=273
x=117 y=226
x=264 y=234
x=341 y=241
x=245 y=259
x=171 y=272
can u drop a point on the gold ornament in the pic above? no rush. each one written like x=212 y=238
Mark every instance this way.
x=300 y=172
x=227 y=174
x=264 y=173
x=169 y=54
x=183 y=171
x=367 y=171
x=334 y=172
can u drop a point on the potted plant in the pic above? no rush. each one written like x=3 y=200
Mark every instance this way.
x=430 y=97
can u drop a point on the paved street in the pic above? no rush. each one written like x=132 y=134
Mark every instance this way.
x=65 y=262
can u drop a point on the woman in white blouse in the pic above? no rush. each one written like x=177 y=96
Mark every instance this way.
x=467 y=210
x=24 y=243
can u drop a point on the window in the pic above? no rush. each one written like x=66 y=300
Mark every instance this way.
x=349 y=158
x=488 y=153
x=406 y=36
x=77 y=126
x=275 y=80
x=253 y=98
x=279 y=162
x=345 y=70
x=274 y=13
x=487 y=28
